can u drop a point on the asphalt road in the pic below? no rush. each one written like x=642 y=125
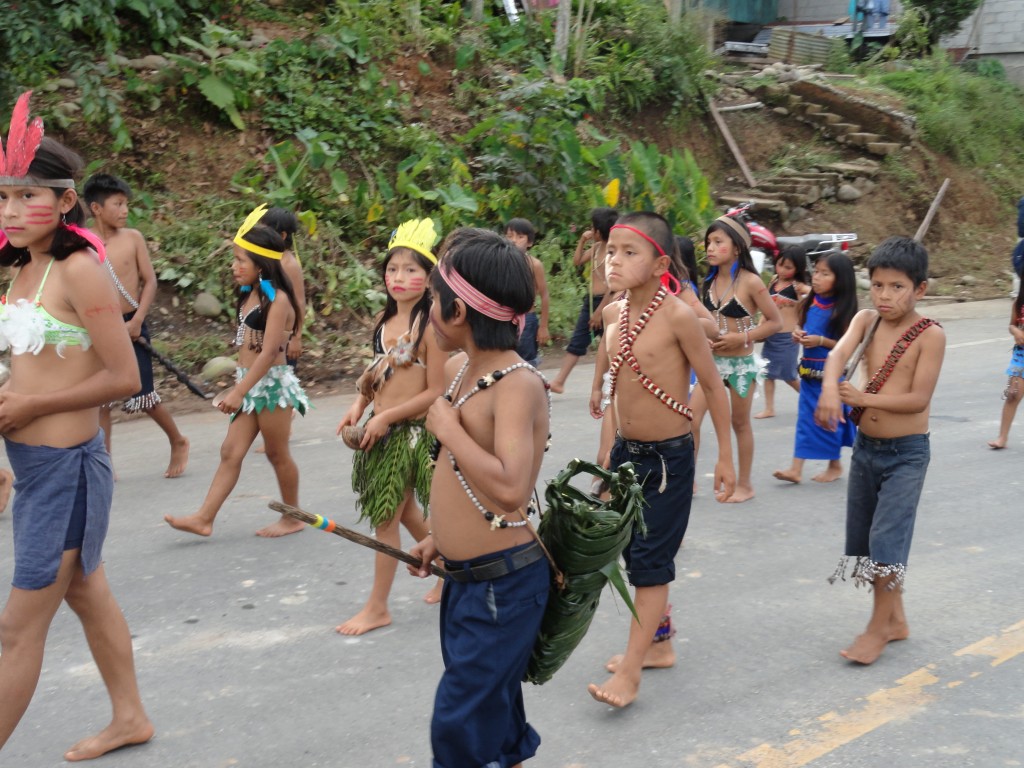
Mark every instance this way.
x=239 y=664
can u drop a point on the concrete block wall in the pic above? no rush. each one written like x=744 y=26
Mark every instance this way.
x=997 y=27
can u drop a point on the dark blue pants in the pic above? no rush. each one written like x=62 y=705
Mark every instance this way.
x=488 y=630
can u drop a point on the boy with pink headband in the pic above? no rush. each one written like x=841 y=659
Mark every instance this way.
x=488 y=456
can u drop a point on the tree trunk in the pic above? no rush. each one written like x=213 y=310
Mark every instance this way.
x=476 y=10
x=675 y=11
x=562 y=24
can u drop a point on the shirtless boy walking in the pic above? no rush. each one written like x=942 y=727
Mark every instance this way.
x=891 y=452
x=652 y=341
x=133 y=275
x=492 y=435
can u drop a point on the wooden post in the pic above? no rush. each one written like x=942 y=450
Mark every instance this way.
x=932 y=210
x=727 y=135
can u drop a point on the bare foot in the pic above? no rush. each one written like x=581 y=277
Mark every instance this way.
x=6 y=485
x=282 y=527
x=558 y=387
x=998 y=444
x=366 y=620
x=898 y=630
x=191 y=524
x=618 y=691
x=434 y=595
x=830 y=475
x=866 y=648
x=765 y=414
x=179 y=459
x=659 y=656
x=788 y=475
x=740 y=494
x=110 y=738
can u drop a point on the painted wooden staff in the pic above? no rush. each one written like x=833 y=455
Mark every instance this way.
x=325 y=524
x=167 y=363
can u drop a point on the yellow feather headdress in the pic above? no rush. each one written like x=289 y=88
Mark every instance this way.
x=251 y=221
x=418 y=235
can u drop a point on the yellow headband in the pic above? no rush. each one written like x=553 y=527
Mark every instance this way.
x=251 y=221
x=418 y=235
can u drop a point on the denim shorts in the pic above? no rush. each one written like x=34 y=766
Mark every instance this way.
x=528 y=347
x=886 y=478
x=665 y=471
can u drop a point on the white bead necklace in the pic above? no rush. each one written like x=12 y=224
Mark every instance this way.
x=496 y=521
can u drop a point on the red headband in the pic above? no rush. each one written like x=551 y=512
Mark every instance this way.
x=644 y=235
x=666 y=279
x=478 y=301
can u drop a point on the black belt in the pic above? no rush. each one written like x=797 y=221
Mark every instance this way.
x=652 y=448
x=492 y=569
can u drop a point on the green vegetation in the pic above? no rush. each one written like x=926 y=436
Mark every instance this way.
x=360 y=115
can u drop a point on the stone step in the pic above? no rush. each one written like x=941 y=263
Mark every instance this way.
x=859 y=139
x=794 y=102
x=794 y=196
x=808 y=108
x=844 y=129
x=868 y=168
x=759 y=202
x=816 y=177
x=825 y=118
x=883 y=148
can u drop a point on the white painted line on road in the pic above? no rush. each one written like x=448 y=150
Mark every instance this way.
x=911 y=694
x=976 y=343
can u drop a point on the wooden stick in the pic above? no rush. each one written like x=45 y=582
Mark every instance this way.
x=733 y=146
x=167 y=363
x=358 y=538
x=932 y=210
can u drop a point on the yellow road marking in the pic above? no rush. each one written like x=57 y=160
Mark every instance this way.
x=910 y=694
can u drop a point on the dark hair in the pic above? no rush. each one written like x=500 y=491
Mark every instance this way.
x=797 y=256
x=421 y=311
x=282 y=221
x=270 y=269
x=101 y=186
x=844 y=291
x=743 y=258
x=902 y=254
x=688 y=257
x=602 y=219
x=53 y=161
x=657 y=228
x=493 y=266
x=523 y=227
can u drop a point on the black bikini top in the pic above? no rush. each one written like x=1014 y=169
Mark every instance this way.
x=255 y=319
x=732 y=309
x=789 y=292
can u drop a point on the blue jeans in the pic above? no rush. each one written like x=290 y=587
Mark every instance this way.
x=528 y=348
x=886 y=478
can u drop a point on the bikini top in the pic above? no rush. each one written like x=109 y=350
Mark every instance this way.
x=255 y=319
x=734 y=308
x=787 y=297
x=26 y=326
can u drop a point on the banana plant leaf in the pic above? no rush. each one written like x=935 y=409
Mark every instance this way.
x=585 y=537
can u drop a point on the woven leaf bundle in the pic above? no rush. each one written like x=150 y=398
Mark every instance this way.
x=585 y=537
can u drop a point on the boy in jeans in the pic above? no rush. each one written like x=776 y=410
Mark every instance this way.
x=522 y=234
x=891 y=452
x=492 y=429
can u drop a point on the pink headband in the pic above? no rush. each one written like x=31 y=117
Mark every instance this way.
x=644 y=235
x=736 y=227
x=476 y=300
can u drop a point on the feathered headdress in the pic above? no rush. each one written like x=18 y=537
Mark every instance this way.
x=22 y=143
x=251 y=221
x=417 y=234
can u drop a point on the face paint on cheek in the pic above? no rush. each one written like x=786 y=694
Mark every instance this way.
x=40 y=214
x=416 y=283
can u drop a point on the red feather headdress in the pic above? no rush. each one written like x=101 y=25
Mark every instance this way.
x=22 y=143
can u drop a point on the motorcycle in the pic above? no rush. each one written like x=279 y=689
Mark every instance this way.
x=766 y=245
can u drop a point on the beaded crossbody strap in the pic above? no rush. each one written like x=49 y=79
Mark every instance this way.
x=625 y=354
x=895 y=354
x=496 y=521
x=120 y=286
